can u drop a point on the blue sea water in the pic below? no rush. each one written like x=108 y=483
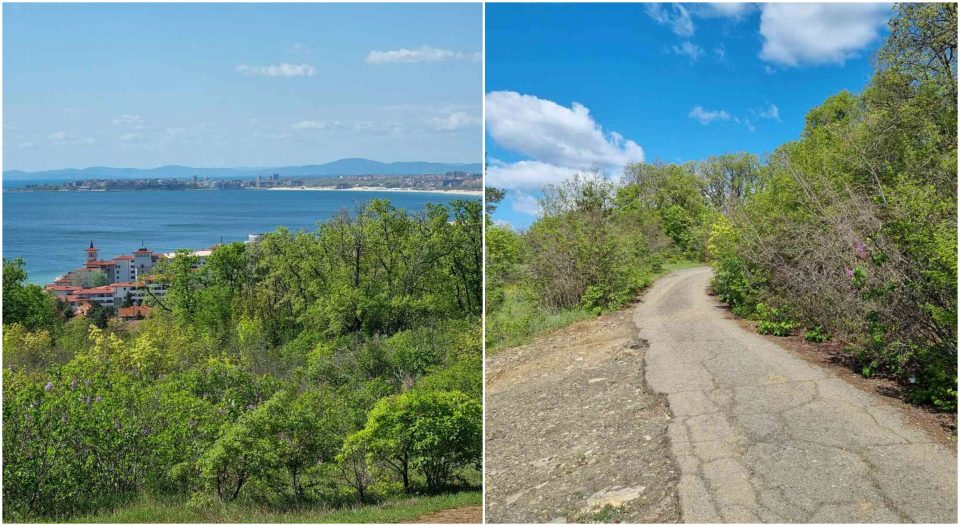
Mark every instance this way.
x=50 y=230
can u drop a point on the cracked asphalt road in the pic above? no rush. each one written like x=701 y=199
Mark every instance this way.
x=763 y=436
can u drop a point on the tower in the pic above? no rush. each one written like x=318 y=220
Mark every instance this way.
x=92 y=252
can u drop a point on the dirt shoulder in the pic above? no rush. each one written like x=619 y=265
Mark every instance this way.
x=464 y=515
x=573 y=433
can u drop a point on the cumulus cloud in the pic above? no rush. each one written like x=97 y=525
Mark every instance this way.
x=420 y=54
x=130 y=137
x=770 y=112
x=559 y=141
x=555 y=134
x=128 y=120
x=64 y=138
x=526 y=175
x=688 y=49
x=278 y=70
x=800 y=34
x=457 y=120
x=707 y=116
x=525 y=203
x=674 y=16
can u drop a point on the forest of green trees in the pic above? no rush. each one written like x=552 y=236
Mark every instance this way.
x=325 y=368
x=848 y=233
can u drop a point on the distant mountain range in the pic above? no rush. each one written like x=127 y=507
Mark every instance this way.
x=342 y=167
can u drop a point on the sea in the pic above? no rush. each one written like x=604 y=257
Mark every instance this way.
x=50 y=230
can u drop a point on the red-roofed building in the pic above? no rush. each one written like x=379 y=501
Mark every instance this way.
x=61 y=290
x=102 y=295
x=126 y=274
x=136 y=312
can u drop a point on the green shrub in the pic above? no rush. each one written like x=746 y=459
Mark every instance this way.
x=776 y=328
x=816 y=335
x=595 y=299
x=774 y=321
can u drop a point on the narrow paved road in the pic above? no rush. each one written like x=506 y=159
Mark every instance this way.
x=761 y=435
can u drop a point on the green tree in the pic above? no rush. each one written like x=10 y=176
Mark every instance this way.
x=436 y=432
x=27 y=304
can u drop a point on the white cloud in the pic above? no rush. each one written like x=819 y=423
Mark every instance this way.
x=554 y=134
x=457 y=120
x=128 y=120
x=525 y=203
x=688 y=49
x=675 y=16
x=197 y=134
x=313 y=125
x=798 y=34
x=734 y=10
x=770 y=112
x=707 y=116
x=278 y=70
x=298 y=48
x=26 y=145
x=746 y=122
x=63 y=138
x=130 y=137
x=526 y=175
x=421 y=54
x=721 y=51
x=356 y=126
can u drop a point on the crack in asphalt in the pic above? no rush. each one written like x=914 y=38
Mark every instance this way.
x=755 y=443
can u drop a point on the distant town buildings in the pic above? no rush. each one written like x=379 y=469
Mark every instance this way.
x=456 y=180
x=123 y=282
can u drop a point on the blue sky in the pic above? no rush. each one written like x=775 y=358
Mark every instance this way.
x=240 y=84
x=573 y=86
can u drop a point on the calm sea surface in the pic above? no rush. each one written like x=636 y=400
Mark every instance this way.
x=50 y=230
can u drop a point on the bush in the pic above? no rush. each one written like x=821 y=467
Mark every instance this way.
x=436 y=432
x=774 y=321
x=816 y=335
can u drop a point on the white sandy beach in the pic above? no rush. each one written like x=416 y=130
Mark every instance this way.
x=374 y=189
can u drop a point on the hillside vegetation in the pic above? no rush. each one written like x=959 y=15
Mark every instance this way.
x=323 y=369
x=848 y=233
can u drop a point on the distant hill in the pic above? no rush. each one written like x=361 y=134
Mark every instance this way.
x=342 y=167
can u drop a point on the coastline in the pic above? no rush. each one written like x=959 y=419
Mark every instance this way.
x=476 y=193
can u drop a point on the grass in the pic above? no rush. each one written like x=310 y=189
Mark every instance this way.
x=520 y=319
x=175 y=510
